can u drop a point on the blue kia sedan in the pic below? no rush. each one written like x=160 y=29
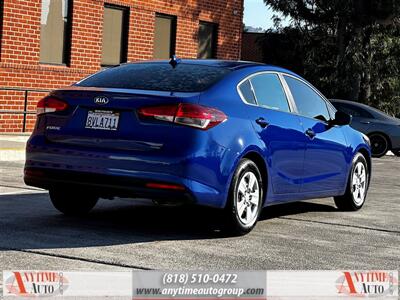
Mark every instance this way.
x=237 y=136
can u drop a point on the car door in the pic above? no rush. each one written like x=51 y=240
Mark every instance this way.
x=278 y=128
x=325 y=165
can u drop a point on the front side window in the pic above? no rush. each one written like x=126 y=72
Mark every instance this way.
x=115 y=32
x=54 y=35
x=269 y=92
x=207 y=40
x=308 y=102
x=164 y=36
x=357 y=112
x=344 y=109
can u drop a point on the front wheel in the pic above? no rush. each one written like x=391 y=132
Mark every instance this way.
x=73 y=202
x=245 y=198
x=357 y=186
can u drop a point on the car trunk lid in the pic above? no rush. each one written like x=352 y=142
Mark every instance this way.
x=107 y=118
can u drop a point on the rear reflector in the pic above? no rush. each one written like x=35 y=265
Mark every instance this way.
x=193 y=115
x=33 y=173
x=164 y=186
x=49 y=105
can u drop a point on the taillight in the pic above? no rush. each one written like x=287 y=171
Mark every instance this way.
x=49 y=105
x=193 y=115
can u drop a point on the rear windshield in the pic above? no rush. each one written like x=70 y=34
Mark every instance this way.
x=157 y=77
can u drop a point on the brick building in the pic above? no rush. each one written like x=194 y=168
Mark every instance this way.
x=47 y=44
x=251 y=48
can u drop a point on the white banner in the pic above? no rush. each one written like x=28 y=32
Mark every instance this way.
x=203 y=285
x=332 y=284
x=60 y=283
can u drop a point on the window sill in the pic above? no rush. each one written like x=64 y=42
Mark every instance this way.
x=43 y=64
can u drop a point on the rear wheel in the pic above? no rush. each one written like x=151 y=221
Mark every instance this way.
x=245 y=198
x=379 y=144
x=357 y=186
x=72 y=202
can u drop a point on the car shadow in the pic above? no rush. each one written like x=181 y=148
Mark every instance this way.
x=28 y=221
x=294 y=208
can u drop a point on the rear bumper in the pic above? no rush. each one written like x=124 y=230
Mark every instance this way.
x=105 y=185
x=125 y=174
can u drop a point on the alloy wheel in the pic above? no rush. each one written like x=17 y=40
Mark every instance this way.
x=247 y=198
x=359 y=183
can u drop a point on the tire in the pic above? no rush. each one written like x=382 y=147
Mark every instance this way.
x=72 y=202
x=396 y=152
x=379 y=144
x=245 y=198
x=357 y=186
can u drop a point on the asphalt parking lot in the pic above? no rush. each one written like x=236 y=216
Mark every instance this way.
x=127 y=233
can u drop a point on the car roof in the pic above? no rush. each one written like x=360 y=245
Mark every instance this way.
x=374 y=111
x=351 y=103
x=228 y=64
x=357 y=104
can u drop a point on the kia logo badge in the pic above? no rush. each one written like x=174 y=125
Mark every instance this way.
x=101 y=100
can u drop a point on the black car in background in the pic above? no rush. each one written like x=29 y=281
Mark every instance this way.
x=382 y=129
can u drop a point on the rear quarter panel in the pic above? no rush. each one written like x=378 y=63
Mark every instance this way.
x=237 y=134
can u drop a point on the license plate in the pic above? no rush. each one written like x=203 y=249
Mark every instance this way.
x=103 y=120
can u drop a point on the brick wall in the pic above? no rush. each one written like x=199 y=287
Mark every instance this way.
x=251 y=49
x=20 y=43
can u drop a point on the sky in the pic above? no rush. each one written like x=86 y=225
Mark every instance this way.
x=257 y=14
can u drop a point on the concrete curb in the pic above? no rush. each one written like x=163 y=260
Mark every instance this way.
x=12 y=147
x=12 y=155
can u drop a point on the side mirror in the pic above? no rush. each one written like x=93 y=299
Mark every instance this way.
x=341 y=119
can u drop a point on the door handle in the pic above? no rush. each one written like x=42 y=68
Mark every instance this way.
x=262 y=122
x=365 y=122
x=310 y=133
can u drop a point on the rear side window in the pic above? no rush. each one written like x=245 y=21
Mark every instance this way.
x=247 y=92
x=157 y=77
x=308 y=102
x=269 y=92
x=344 y=109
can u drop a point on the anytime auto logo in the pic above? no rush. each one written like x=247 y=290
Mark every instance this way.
x=35 y=284
x=367 y=283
